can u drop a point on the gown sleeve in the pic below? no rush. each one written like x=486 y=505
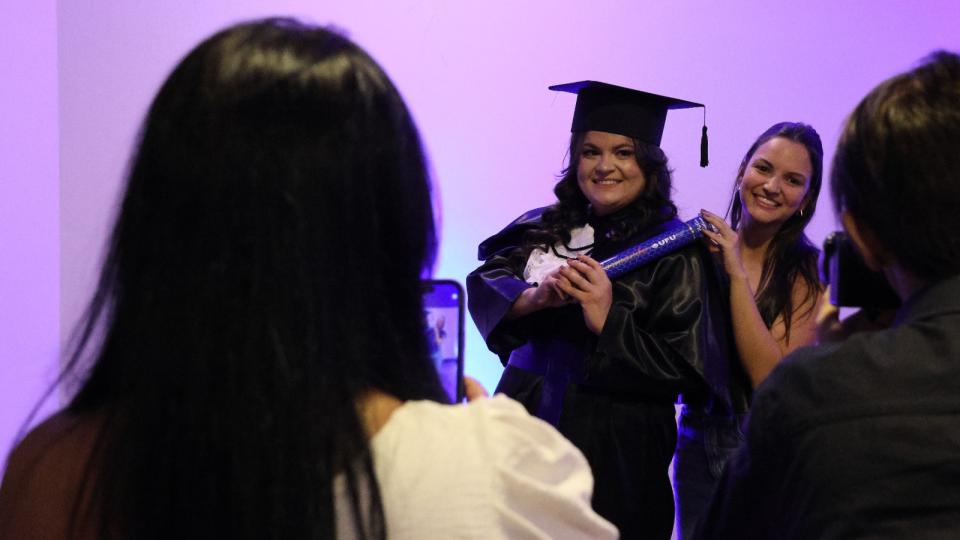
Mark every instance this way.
x=666 y=324
x=495 y=285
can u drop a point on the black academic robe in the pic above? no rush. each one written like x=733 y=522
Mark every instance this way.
x=613 y=395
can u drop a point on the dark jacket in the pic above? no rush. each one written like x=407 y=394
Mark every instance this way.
x=855 y=440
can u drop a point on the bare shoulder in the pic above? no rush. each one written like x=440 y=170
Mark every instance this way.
x=44 y=478
x=807 y=301
x=806 y=298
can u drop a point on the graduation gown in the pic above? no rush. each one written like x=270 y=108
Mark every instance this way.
x=613 y=395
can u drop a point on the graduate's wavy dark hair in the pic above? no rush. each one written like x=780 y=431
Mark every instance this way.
x=652 y=206
x=897 y=167
x=263 y=272
x=790 y=255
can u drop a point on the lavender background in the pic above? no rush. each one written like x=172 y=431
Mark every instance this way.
x=79 y=74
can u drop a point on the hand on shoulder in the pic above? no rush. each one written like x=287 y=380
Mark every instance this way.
x=725 y=243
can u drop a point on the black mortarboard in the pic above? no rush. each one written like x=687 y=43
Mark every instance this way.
x=615 y=109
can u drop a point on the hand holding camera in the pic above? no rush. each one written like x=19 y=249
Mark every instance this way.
x=851 y=284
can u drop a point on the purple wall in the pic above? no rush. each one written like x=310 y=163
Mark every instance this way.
x=475 y=75
x=29 y=259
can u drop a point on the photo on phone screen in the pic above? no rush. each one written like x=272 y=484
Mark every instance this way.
x=443 y=302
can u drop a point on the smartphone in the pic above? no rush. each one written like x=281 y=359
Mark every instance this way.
x=852 y=283
x=443 y=302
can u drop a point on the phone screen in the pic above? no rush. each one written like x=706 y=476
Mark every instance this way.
x=443 y=302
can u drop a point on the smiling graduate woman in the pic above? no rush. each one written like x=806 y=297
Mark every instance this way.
x=606 y=360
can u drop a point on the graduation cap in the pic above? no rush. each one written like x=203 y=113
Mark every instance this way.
x=636 y=114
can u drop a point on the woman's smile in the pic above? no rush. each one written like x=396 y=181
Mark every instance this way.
x=608 y=173
x=775 y=184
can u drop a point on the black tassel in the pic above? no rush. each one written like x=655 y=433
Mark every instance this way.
x=704 y=160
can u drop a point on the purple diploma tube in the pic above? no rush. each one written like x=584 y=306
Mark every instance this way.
x=654 y=248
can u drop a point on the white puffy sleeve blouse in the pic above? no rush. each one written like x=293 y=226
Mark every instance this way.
x=483 y=470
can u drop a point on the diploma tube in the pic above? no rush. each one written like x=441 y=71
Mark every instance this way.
x=654 y=248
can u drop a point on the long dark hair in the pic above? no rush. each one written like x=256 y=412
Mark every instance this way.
x=790 y=255
x=263 y=273
x=652 y=206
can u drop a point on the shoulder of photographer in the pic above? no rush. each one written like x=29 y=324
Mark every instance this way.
x=495 y=452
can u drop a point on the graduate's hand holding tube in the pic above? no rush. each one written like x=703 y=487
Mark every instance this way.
x=547 y=294
x=584 y=280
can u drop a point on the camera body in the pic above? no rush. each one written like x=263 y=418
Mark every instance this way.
x=852 y=283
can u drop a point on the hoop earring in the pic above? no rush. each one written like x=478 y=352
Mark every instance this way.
x=800 y=213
